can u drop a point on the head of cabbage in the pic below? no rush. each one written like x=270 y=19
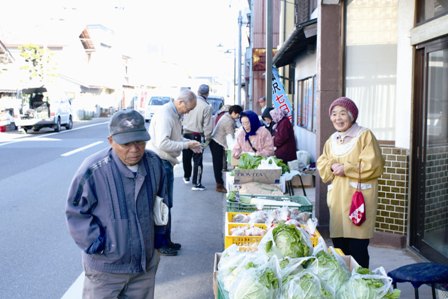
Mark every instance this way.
x=289 y=241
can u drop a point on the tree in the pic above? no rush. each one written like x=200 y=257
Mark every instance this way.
x=38 y=62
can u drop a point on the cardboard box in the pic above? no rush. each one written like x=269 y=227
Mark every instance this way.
x=265 y=176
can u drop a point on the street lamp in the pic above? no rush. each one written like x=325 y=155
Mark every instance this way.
x=229 y=51
x=240 y=24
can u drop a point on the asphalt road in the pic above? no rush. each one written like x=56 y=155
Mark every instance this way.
x=38 y=257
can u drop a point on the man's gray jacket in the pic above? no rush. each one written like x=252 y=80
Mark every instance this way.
x=109 y=211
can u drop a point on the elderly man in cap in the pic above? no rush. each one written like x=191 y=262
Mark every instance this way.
x=197 y=125
x=109 y=212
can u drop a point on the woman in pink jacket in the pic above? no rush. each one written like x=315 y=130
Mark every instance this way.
x=253 y=137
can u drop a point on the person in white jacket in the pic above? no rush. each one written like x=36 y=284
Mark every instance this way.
x=167 y=142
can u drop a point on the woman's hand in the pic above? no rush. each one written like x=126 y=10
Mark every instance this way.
x=338 y=169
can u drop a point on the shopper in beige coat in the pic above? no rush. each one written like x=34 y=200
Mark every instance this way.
x=339 y=166
x=218 y=145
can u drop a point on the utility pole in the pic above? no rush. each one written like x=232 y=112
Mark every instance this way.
x=240 y=24
x=268 y=73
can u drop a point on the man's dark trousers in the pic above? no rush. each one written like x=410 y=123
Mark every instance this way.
x=187 y=155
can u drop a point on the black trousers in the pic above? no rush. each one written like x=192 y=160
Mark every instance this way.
x=357 y=248
x=217 y=151
x=187 y=156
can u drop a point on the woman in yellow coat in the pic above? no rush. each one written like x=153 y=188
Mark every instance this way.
x=351 y=152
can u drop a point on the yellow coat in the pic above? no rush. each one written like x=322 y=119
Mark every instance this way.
x=363 y=147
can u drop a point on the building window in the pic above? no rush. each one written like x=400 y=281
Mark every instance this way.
x=437 y=122
x=371 y=63
x=430 y=9
x=306 y=104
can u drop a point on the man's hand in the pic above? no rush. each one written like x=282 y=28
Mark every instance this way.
x=195 y=146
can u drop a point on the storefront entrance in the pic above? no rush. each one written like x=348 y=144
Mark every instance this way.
x=429 y=189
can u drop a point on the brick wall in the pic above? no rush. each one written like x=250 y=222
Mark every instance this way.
x=392 y=215
x=436 y=192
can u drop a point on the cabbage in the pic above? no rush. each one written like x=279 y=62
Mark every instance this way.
x=255 y=283
x=368 y=284
x=289 y=241
x=329 y=270
x=304 y=286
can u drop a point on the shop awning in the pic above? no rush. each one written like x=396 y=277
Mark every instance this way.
x=5 y=55
x=304 y=35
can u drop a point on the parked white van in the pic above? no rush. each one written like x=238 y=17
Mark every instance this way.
x=40 y=110
x=154 y=105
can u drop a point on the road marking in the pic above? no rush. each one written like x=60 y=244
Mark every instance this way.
x=75 y=290
x=10 y=138
x=81 y=149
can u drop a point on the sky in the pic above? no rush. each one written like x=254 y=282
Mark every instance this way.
x=182 y=32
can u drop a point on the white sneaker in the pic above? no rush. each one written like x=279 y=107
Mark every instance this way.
x=198 y=188
x=187 y=180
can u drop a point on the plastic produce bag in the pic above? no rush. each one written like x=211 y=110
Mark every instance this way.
x=304 y=285
x=257 y=282
x=286 y=240
x=327 y=265
x=233 y=262
x=368 y=284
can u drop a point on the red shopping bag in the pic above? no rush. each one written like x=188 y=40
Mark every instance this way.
x=357 y=212
x=358 y=208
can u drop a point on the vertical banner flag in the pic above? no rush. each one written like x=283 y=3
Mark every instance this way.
x=279 y=96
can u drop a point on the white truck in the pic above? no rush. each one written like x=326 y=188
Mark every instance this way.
x=39 y=110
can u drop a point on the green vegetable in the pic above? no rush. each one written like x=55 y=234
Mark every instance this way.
x=303 y=286
x=255 y=284
x=231 y=196
x=248 y=161
x=289 y=241
x=364 y=286
x=283 y=165
x=328 y=269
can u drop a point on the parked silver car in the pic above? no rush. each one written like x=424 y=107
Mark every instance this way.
x=154 y=105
